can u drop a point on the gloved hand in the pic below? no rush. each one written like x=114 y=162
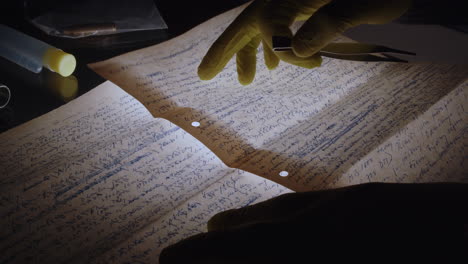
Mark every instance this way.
x=390 y=221
x=263 y=19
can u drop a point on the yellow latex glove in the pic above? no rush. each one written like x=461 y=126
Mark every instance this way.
x=263 y=19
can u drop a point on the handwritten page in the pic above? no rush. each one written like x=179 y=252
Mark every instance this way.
x=342 y=123
x=100 y=179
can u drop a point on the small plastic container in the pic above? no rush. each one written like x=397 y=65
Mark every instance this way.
x=34 y=54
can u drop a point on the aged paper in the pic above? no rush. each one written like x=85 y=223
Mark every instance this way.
x=100 y=178
x=342 y=123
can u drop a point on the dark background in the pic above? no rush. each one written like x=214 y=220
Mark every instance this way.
x=31 y=94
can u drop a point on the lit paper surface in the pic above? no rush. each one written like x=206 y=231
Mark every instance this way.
x=100 y=174
x=318 y=125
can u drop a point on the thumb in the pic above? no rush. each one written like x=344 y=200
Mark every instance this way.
x=277 y=209
x=338 y=16
x=317 y=32
x=277 y=16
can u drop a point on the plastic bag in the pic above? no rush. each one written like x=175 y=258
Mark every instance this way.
x=77 y=19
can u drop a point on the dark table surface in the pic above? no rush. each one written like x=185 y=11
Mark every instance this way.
x=33 y=95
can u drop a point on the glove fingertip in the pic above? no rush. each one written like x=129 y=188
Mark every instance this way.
x=316 y=63
x=313 y=62
x=245 y=80
x=246 y=73
x=272 y=64
x=272 y=67
x=205 y=74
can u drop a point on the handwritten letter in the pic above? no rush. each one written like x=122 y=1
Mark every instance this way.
x=88 y=176
x=313 y=124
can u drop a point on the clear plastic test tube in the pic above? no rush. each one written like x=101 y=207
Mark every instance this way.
x=33 y=54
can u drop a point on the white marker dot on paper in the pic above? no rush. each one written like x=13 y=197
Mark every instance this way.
x=195 y=124
x=283 y=174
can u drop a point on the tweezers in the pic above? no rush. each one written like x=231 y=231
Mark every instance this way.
x=349 y=51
